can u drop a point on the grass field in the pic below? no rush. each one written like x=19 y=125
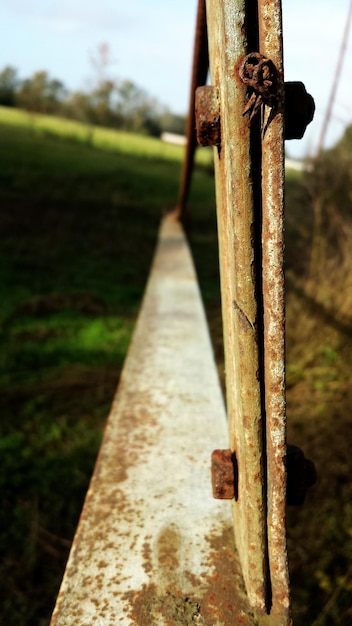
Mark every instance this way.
x=78 y=229
x=78 y=225
x=98 y=137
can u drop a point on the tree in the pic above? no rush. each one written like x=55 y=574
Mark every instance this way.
x=8 y=86
x=103 y=93
x=112 y=102
x=41 y=94
x=78 y=106
x=102 y=102
x=139 y=112
x=101 y=61
x=172 y=123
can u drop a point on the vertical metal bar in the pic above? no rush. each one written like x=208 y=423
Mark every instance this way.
x=270 y=38
x=199 y=76
x=227 y=32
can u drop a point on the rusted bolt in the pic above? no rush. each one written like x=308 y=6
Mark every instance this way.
x=299 y=110
x=224 y=475
x=301 y=474
x=259 y=75
x=207 y=103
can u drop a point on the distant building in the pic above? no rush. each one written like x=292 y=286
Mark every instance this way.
x=291 y=164
x=177 y=140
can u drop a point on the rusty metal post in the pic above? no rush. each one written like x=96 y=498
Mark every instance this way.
x=245 y=52
x=148 y=497
x=199 y=75
x=273 y=173
x=236 y=210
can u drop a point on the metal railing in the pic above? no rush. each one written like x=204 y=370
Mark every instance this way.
x=152 y=545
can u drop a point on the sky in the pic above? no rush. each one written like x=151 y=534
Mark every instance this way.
x=151 y=43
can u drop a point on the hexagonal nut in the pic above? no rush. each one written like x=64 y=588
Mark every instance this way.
x=299 y=110
x=207 y=105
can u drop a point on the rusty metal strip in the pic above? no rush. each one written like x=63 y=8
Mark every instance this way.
x=152 y=546
x=270 y=40
x=199 y=75
x=228 y=38
x=250 y=225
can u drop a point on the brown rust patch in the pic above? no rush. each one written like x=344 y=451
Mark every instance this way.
x=207 y=108
x=147 y=557
x=165 y=597
x=219 y=595
x=168 y=547
x=147 y=607
x=224 y=601
x=223 y=474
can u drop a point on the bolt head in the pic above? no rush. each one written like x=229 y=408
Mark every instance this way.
x=223 y=474
x=207 y=103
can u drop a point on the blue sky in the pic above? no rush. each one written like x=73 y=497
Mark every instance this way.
x=151 y=43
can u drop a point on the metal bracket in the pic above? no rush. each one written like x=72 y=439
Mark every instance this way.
x=301 y=475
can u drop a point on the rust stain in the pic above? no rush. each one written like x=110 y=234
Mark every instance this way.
x=270 y=35
x=225 y=582
x=207 y=110
x=224 y=474
x=173 y=594
x=148 y=606
x=219 y=597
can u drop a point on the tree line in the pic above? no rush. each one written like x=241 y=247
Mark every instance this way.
x=119 y=104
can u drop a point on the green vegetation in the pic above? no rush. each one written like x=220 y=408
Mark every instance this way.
x=79 y=221
x=98 y=137
x=111 y=102
x=78 y=230
x=319 y=377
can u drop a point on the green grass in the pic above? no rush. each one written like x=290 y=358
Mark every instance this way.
x=78 y=226
x=98 y=137
x=319 y=377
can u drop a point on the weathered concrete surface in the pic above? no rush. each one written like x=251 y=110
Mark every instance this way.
x=153 y=547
